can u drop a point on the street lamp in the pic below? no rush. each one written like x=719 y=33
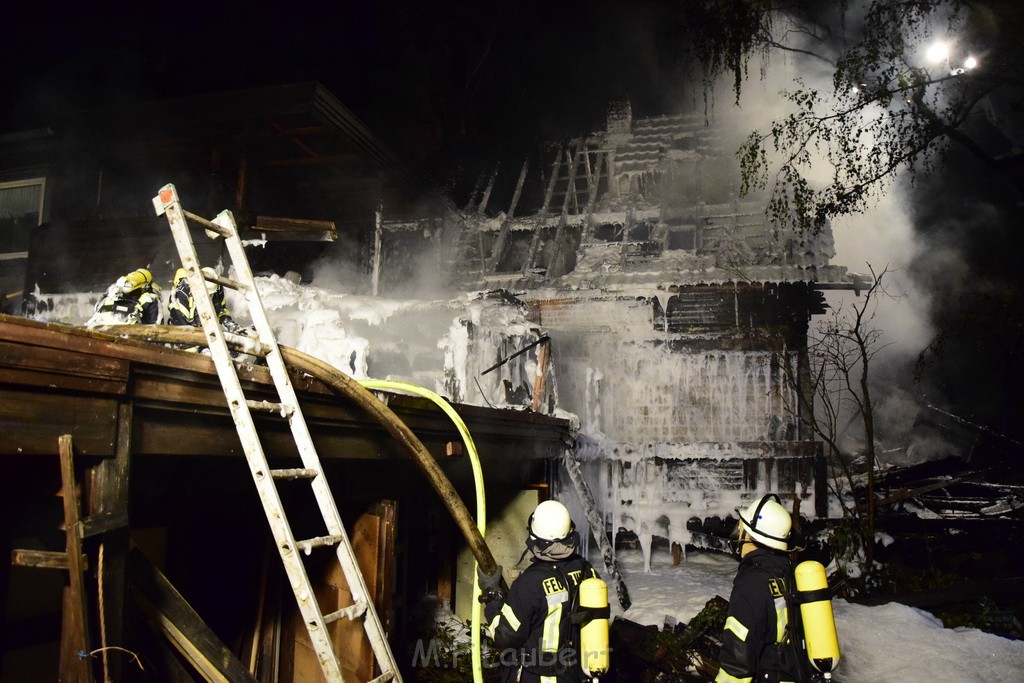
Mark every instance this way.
x=939 y=53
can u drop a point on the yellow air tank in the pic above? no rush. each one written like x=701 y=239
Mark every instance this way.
x=816 y=614
x=594 y=633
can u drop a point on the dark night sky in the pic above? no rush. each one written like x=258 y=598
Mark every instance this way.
x=487 y=74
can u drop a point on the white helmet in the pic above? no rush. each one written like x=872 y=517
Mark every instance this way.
x=550 y=521
x=767 y=522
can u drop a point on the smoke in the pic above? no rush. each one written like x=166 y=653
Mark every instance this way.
x=339 y=270
x=882 y=238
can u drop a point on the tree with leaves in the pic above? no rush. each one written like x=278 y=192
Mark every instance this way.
x=909 y=79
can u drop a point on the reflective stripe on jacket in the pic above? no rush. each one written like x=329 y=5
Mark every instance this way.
x=181 y=308
x=757 y=620
x=532 y=623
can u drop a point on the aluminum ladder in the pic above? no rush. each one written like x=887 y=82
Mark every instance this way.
x=167 y=203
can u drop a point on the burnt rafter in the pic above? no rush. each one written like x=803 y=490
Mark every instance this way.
x=295 y=138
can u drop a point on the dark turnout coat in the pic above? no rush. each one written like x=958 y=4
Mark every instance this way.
x=532 y=624
x=753 y=642
x=181 y=307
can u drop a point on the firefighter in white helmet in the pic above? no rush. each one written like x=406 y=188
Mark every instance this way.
x=134 y=299
x=533 y=624
x=755 y=643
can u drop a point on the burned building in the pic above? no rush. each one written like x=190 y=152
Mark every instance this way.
x=173 y=568
x=678 y=315
x=626 y=304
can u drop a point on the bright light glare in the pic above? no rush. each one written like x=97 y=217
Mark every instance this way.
x=937 y=52
x=970 y=63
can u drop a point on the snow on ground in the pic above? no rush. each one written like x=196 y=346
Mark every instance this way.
x=889 y=643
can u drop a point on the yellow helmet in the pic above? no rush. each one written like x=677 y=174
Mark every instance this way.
x=136 y=279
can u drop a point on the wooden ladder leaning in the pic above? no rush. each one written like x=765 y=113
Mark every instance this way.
x=167 y=203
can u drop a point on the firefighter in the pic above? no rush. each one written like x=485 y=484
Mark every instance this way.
x=181 y=305
x=133 y=299
x=532 y=625
x=755 y=643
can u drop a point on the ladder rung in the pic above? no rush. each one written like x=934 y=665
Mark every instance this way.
x=294 y=473
x=350 y=612
x=307 y=545
x=209 y=225
x=384 y=677
x=268 y=407
x=227 y=282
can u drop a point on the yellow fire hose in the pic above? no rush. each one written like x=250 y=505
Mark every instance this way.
x=478 y=483
x=359 y=392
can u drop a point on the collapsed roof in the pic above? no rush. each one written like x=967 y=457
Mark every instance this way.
x=644 y=201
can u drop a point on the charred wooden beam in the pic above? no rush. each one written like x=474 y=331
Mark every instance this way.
x=171 y=615
x=74 y=623
x=108 y=518
x=498 y=250
x=531 y=257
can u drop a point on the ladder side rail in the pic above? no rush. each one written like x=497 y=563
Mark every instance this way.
x=282 y=380
x=246 y=428
x=307 y=451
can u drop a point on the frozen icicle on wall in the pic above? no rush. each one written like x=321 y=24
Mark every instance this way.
x=679 y=427
x=455 y=346
x=491 y=338
x=665 y=396
x=592 y=402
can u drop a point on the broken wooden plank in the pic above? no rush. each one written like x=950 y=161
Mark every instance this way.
x=172 y=616
x=542 y=369
x=43 y=559
x=905 y=492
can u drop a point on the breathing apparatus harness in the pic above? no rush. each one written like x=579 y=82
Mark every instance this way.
x=580 y=615
x=805 y=586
